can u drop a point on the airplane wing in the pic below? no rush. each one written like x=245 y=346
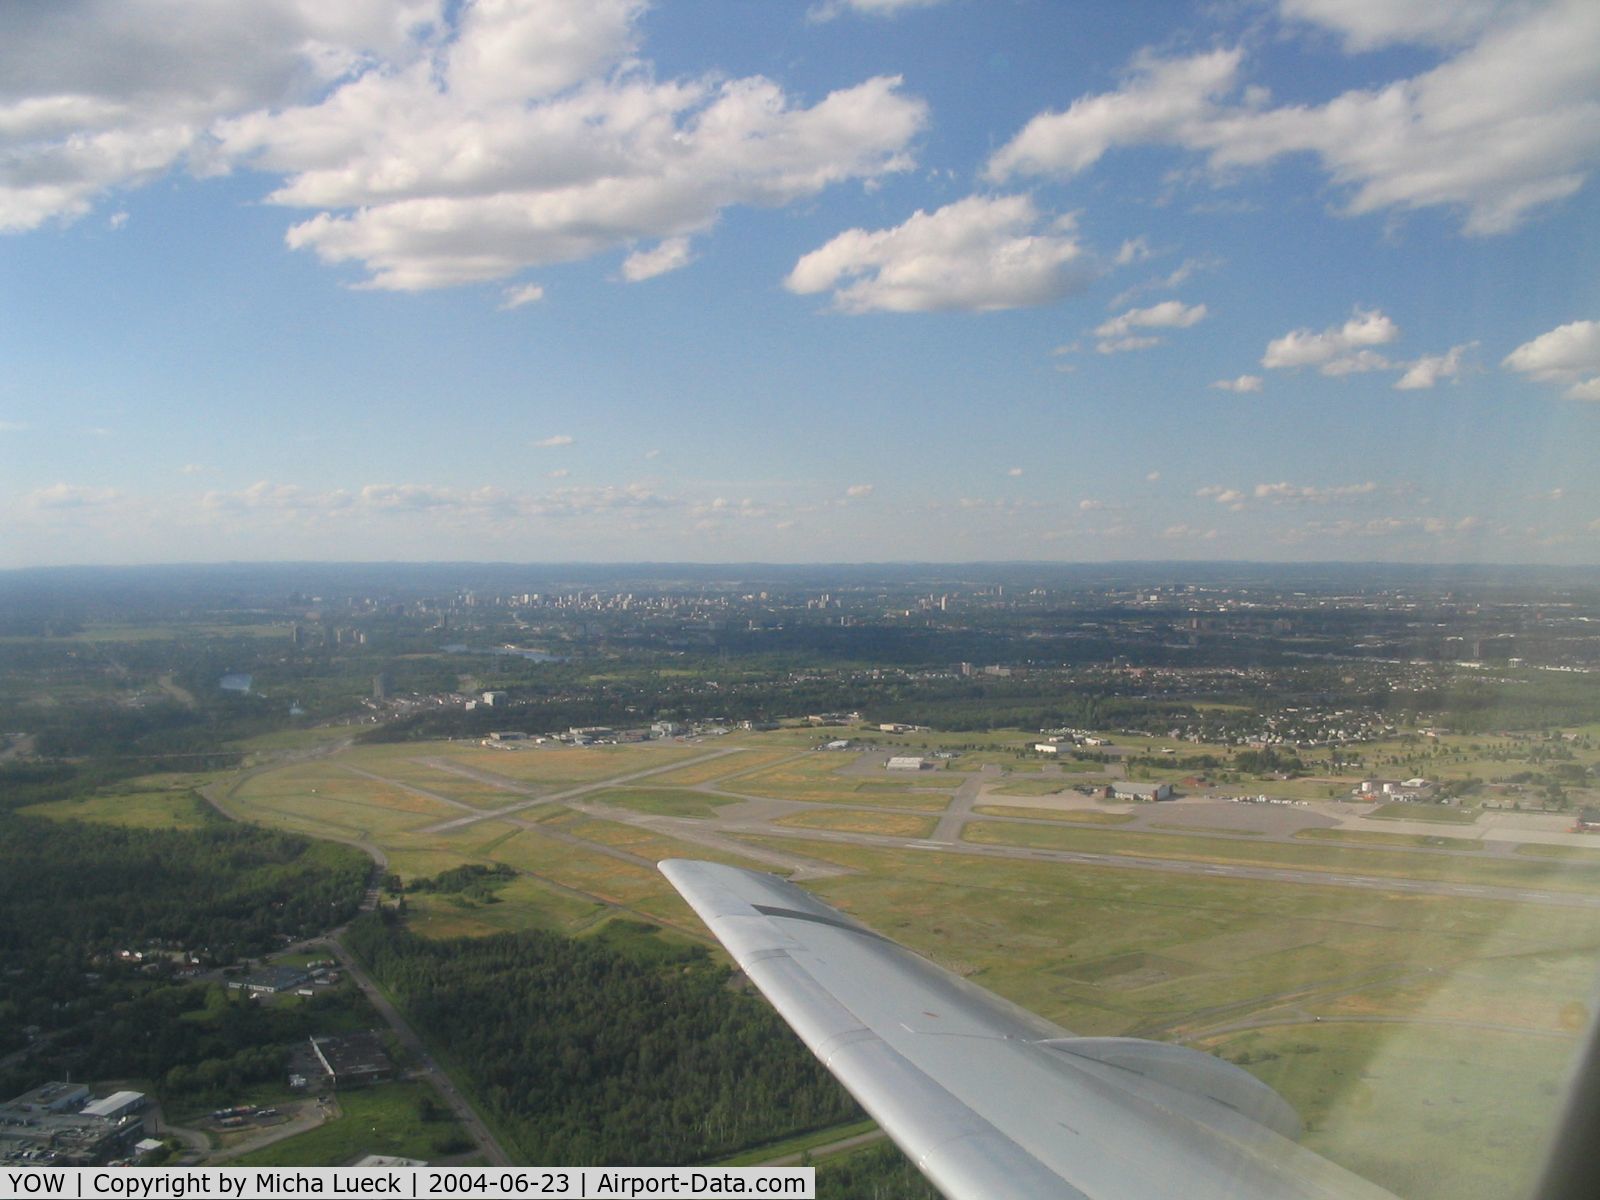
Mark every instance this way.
x=990 y=1100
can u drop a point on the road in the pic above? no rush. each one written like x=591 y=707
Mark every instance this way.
x=488 y=1145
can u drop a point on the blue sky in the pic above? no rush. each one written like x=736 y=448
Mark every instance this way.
x=824 y=280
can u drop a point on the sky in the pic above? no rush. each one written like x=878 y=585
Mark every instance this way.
x=799 y=280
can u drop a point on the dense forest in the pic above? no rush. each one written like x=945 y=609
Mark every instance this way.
x=73 y=894
x=594 y=1052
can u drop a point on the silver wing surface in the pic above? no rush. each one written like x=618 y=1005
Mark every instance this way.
x=990 y=1100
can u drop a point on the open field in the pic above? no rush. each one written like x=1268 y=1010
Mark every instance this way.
x=1575 y=853
x=156 y=802
x=1370 y=837
x=376 y=1120
x=890 y=824
x=1099 y=949
x=720 y=769
x=1392 y=863
x=666 y=802
x=1426 y=1112
x=568 y=765
x=818 y=779
x=319 y=795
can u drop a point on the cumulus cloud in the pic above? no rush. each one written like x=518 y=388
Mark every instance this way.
x=436 y=144
x=1152 y=477
x=669 y=255
x=1244 y=383
x=1117 y=333
x=69 y=495
x=1338 y=350
x=1288 y=493
x=977 y=254
x=1091 y=505
x=1505 y=124
x=99 y=96
x=1231 y=497
x=1568 y=354
x=1160 y=100
x=516 y=297
x=859 y=491
x=1431 y=368
x=554 y=440
x=1373 y=24
x=1015 y=472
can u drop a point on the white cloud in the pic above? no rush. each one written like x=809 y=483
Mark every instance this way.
x=516 y=297
x=1152 y=477
x=1292 y=494
x=554 y=440
x=669 y=255
x=977 y=254
x=859 y=491
x=1568 y=354
x=1131 y=251
x=1178 y=276
x=1371 y=24
x=1117 y=333
x=1244 y=383
x=425 y=190
x=1091 y=505
x=1015 y=472
x=652 y=453
x=829 y=9
x=558 y=473
x=96 y=97
x=1187 y=533
x=12 y=426
x=1431 y=368
x=69 y=495
x=1230 y=497
x=1505 y=124
x=1161 y=100
x=437 y=144
x=1122 y=345
x=1337 y=350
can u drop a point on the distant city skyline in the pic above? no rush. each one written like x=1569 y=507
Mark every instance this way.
x=793 y=282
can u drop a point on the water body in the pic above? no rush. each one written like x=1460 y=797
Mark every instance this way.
x=237 y=682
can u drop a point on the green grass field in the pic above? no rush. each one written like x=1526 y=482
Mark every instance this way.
x=1589 y=854
x=1371 y=837
x=1430 y=1113
x=377 y=1120
x=1395 y=863
x=151 y=806
x=666 y=802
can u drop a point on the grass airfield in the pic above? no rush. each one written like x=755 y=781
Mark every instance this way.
x=1424 y=1037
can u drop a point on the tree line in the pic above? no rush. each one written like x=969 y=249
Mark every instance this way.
x=589 y=1051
